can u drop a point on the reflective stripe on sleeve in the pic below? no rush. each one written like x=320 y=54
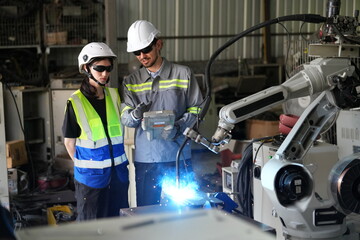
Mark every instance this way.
x=125 y=108
x=194 y=110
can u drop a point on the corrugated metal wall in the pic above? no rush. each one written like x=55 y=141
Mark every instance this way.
x=194 y=29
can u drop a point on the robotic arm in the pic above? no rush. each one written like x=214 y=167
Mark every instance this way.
x=319 y=75
x=286 y=178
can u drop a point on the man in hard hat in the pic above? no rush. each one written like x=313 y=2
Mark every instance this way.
x=158 y=85
x=94 y=140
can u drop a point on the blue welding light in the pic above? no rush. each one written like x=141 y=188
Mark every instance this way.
x=207 y=205
x=188 y=190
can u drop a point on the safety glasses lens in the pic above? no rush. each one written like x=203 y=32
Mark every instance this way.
x=144 y=50
x=100 y=68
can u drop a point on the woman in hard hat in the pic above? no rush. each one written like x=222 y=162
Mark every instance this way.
x=94 y=140
x=158 y=85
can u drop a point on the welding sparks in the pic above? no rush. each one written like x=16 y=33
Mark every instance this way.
x=188 y=190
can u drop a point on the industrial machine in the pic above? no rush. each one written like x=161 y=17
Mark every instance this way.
x=320 y=159
x=307 y=203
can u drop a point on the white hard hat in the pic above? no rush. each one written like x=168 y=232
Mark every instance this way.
x=140 y=34
x=94 y=50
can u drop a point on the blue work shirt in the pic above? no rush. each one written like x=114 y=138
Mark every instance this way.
x=174 y=88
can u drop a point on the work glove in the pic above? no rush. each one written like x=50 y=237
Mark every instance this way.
x=142 y=107
x=170 y=132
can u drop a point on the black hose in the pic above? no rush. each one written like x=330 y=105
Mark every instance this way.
x=311 y=18
x=244 y=178
x=177 y=162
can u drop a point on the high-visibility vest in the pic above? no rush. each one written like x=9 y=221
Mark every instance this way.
x=93 y=159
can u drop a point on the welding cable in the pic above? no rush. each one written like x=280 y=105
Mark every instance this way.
x=182 y=154
x=244 y=178
x=310 y=18
x=243 y=182
x=177 y=162
x=288 y=48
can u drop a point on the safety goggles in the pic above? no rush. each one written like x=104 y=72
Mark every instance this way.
x=101 y=68
x=145 y=50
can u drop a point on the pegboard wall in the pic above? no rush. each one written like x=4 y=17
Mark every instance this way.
x=29 y=22
x=19 y=23
x=73 y=24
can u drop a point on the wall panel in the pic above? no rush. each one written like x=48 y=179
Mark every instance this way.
x=194 y=30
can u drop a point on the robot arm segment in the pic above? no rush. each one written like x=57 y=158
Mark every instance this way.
x=316 y=77
x=319 y=75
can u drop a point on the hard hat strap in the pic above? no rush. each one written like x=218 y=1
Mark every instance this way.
x=89 y=75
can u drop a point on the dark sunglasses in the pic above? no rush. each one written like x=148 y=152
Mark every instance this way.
x=101 y=68
x=145 y=50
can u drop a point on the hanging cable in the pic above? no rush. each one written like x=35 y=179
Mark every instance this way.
x=288 y=49
x=311 y=18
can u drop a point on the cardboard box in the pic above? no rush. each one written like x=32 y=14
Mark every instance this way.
x=16 y=154
x=261 y=128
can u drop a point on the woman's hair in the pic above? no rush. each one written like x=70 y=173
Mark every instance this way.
x=86 y=88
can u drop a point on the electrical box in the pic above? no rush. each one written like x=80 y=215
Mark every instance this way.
x=229 y=178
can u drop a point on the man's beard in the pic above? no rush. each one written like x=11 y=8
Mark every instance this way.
x=150 y=64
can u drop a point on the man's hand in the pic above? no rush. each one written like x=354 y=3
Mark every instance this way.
x=138 y=112
x=170 y=132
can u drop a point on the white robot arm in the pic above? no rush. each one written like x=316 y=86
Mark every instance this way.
x=287 y=178
x=319 y=75
x=288 y=182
